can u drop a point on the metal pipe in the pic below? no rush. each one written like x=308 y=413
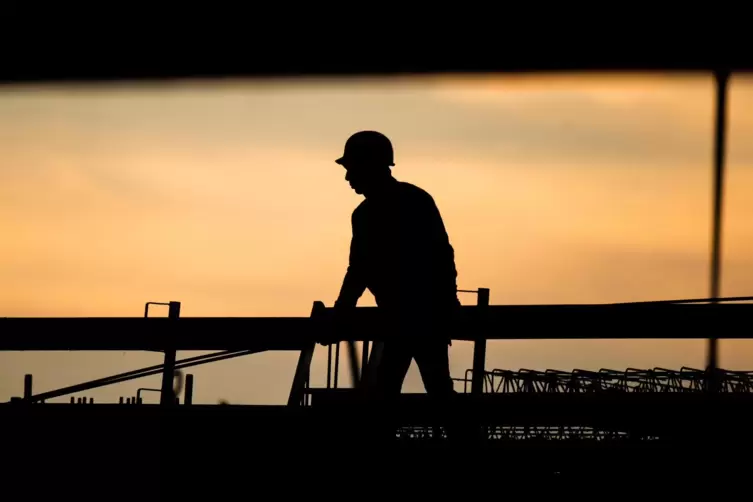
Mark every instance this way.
x=168 y=372
x=693 y=300
x=364 y=357
x=138 y=392
x=721 y=78
x=355 y=372
x=479 y=345
x=188 y=396
x=329 y=366
x=337 y=364
x=146 y=306
x=27 y=387
x=141 y=373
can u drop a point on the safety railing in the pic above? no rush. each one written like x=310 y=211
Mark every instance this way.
x=237 y=336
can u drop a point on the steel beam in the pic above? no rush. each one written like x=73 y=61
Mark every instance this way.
x=516 y=322
x=317 y=58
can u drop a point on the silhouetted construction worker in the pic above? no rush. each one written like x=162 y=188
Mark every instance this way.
x=400 y=251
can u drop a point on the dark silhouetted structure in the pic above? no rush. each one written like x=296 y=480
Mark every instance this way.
x=400 y=251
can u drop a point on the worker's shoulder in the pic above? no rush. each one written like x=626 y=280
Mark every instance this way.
x=360 y=209
x=410 y=190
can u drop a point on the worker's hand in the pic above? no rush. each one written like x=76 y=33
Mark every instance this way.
x=339 y=328
x=328 y=338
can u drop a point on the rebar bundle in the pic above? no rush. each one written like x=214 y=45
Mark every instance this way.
x=605 y=382
x=608 y=380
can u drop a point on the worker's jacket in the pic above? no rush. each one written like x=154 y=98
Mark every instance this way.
x=400 y=251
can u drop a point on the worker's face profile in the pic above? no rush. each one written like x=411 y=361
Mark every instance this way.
x=357 y=175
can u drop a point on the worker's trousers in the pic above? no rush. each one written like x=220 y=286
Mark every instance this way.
x=388 y=374
x=431 y=358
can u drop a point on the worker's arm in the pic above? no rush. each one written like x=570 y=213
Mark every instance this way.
x=354 y=283
x=353 y=287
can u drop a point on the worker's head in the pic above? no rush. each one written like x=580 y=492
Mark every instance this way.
x=367 y=159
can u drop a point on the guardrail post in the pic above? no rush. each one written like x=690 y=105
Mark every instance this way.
x=167 y=396
x=302 y=370
x=188 y=396
x=329 y=366
x=479 y=346
x=364 y=359
x=27 y=387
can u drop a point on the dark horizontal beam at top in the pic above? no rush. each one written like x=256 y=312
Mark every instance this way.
x=110 y=57
x=126 y=71
x=515 y=322
x=75 y=47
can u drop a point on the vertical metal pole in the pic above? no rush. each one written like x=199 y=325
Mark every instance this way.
x=721 y=78
x=188 y=395
x=167 y=396
x=479 y=346
x=355 y=372
x=27 y=387
x=364 y=358
x=305 y=389
x=303 y=368
x=329 y=366
x=337 y=365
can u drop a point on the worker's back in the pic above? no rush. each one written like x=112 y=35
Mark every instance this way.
x=402 y=249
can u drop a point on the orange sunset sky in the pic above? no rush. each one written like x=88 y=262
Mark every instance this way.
x=225 y=196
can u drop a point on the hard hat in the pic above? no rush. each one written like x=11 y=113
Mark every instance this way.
x=368 y=146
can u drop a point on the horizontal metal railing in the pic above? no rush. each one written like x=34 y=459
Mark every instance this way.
x=500 y=322
x=678 y=319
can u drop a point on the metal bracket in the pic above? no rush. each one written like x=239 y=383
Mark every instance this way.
x=479 y=345
x=168 y=373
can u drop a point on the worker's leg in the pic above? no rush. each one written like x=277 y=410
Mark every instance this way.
x=392 y=368
x=431 y=348
x=387 y=386
x=432 y=358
